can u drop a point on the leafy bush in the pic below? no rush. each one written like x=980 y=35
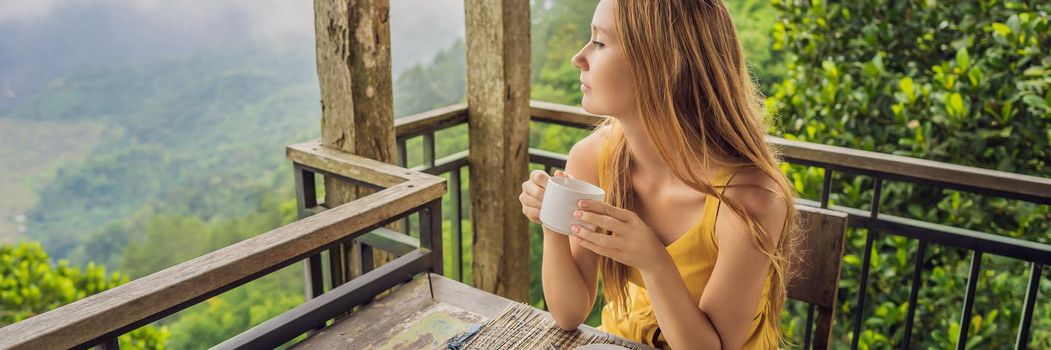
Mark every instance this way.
x=958 y=82
x=30 y=284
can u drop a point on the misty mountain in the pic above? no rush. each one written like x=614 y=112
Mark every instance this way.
x=46 y=39
x=183 y=108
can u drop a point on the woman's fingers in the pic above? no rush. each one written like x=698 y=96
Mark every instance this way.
x=539 y=177
x=532 y=196
x=530 y=207
x=599 y=220
x=592 y=247
x=529 y=201
x=603 y=208
x=597 y=242
x=532 y=213
x=533 y=190
x=535 y=187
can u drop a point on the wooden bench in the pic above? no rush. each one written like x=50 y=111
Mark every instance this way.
x=821 y=252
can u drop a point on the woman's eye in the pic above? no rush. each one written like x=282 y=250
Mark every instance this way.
x=598 y=43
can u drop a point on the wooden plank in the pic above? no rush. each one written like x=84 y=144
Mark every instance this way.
x=547 y=158
x=1030 y=188
x=564 y=115
x=824 y=234
x=468 y=298
x=367 y=170
x=432 y=120
x=394 y=242
x=498 y=112
x=445 y=164
x=453 y=115
x=317 y=311
x=823 y=335
x=404 y=319
x=163 y=291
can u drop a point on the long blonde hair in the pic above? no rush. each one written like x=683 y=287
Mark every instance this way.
x=695 y=95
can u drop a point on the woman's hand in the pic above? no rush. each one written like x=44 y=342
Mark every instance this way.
x=533 y=193
x=632 y=243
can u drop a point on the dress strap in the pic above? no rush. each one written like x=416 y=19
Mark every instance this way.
x=602 y=163
x=728 y=178
x=719 y=203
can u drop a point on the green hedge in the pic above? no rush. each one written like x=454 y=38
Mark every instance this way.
x=31 y=284
x=957 y=82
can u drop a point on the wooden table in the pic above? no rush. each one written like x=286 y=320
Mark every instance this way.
x=409 y=318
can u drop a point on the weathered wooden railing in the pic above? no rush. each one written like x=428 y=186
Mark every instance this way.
x=99 y=319
x=880 y=167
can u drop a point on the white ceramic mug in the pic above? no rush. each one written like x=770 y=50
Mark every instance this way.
x=561 y=195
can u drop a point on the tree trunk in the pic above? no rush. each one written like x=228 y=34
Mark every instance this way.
x=498 y=83
x=357 y=110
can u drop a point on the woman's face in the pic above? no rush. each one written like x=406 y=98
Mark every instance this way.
x=604 y=71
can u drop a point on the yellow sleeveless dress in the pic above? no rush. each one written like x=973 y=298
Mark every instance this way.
x=694 y=254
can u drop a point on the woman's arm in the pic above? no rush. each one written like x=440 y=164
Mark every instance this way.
x=569 y=272
x=570 y=277
x=731 y=298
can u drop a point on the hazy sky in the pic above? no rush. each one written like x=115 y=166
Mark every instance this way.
x=43 y=39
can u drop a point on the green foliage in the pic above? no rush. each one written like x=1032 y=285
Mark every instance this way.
x=559 y=30
x=902 y=78
x=30 y=284
x=440 y=83
x=211 y=124
x=185 y=235
x=754 y=20
x=963 y=83
x=220 y=318
x=190 y=161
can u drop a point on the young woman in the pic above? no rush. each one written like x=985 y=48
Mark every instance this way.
x=698 y=225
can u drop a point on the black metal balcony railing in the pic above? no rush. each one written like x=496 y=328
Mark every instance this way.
x=880 y=167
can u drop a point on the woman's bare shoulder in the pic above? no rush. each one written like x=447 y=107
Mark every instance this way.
x=757 y=192
x=583 y=159
x=751 y=184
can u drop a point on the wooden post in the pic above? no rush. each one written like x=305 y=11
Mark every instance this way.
x=498 y=86
x=357 y=105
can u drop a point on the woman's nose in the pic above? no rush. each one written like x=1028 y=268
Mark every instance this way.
x=579 y=62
